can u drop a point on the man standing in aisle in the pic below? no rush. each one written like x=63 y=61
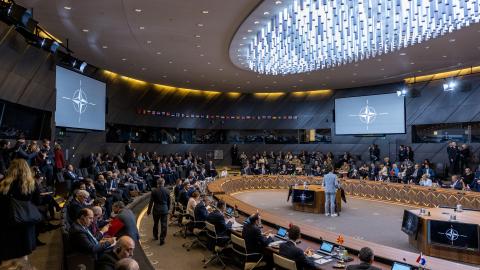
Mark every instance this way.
x=330 y=185
x=160 y=203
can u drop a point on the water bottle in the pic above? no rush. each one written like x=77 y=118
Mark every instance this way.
x=305 y=185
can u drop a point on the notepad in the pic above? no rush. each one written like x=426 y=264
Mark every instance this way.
x=275 y=244
x=322 y=261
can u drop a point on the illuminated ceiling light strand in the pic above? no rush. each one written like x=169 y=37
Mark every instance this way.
x=309 y=35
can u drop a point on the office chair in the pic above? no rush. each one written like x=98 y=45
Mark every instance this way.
x=198 y=231
x=240 y=248
x=183 y=221
x=218 y=244
x=284 y=263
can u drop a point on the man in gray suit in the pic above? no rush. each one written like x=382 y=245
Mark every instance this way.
x=330 y=184
x=127 y=217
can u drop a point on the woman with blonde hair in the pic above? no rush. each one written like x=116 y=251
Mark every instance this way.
x=19 y=185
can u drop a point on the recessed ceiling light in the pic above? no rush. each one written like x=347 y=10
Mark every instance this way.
x=185 y=70
x=201 y=55
x=382 y=69
x=124 y=59
x=266 y=13
x=412 y=63
x=278 y=2
x=244 y=37
x=256 y=22
x=105 y=47
x=452 y=40
x=164 y=76
x=138 y=10
x=197 y=36
x=170 y=62
x=403 y=54
x=205 y=11
x=149 y=41
x=427 y=47
x=200 y=24
x=208 y=63
x=241 y=44
x=444 y=56
x=159 y=53
x=67 y=7
x=141 y=27
x=249 y=30
x=85 y=30
x=238 y=87
x=220 y=69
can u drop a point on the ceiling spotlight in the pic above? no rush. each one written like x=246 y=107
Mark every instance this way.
x=124 y=59
x=141 y=27
x=105 y=47
x=449 y=85
x=200 y=24
x=244 y=37
x=452 y=40
x=138 y=10
x=149 y=41
x=403 y=54
x=220 y=69
x=198 y=46
x=67 y=7
x=403 y=92
x=197 y=36
x=85 y=30
x=205 y=11
x=266 y=13
x=256 y=22
x=278 y=2
x=159 y=53
x=249 y=30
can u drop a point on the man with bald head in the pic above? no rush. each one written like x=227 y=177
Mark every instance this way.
x=122 y=250
x=127 y=264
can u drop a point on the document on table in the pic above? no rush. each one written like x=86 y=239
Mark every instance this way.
x=322 y=261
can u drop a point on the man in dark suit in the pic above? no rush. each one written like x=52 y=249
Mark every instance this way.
x=366 y=257
x=290 y=251
x=82 y=240
x=77 y=204
x=255 y=242
x=201 y=213
x=129 y=150
x=183 y=194
x=123 y=249
x=217 y=218
x=127 y=217
x=160 y=202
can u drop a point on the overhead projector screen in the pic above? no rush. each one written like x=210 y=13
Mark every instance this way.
x=376 y=114
x=80 y=101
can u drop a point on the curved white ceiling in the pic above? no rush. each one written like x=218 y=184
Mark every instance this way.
x=174 y=42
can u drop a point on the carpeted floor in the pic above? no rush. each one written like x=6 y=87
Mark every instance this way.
x=373 y=221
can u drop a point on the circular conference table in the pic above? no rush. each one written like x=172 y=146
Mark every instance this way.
x=389 y=192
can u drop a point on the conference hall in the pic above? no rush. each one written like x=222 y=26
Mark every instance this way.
x=240 y=134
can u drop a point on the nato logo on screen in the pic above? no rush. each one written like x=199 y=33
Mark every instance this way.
x=80 y=101
x=376 y=114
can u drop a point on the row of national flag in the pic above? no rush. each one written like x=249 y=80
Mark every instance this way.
x=142 y=111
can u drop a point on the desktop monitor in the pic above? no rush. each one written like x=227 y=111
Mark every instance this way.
x=305 y=197
x=401 y=266
x=453 y=234
x=410 y=223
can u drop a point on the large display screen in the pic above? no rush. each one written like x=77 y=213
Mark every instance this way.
x=306 y=197
x=376 y=114
x=80 y=101
x=410 y=223
x=453 y=234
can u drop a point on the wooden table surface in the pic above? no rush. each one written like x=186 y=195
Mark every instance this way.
x=383 y=254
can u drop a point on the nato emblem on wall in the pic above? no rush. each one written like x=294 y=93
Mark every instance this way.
x=80 y=101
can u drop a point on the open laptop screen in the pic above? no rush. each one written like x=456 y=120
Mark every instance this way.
x=401 y=266
x=327 y=247
x=282 y=232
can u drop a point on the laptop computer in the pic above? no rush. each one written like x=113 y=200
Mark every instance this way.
x=281 y=234
x=230 y=211
x=326 y=248
x=401 y=266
